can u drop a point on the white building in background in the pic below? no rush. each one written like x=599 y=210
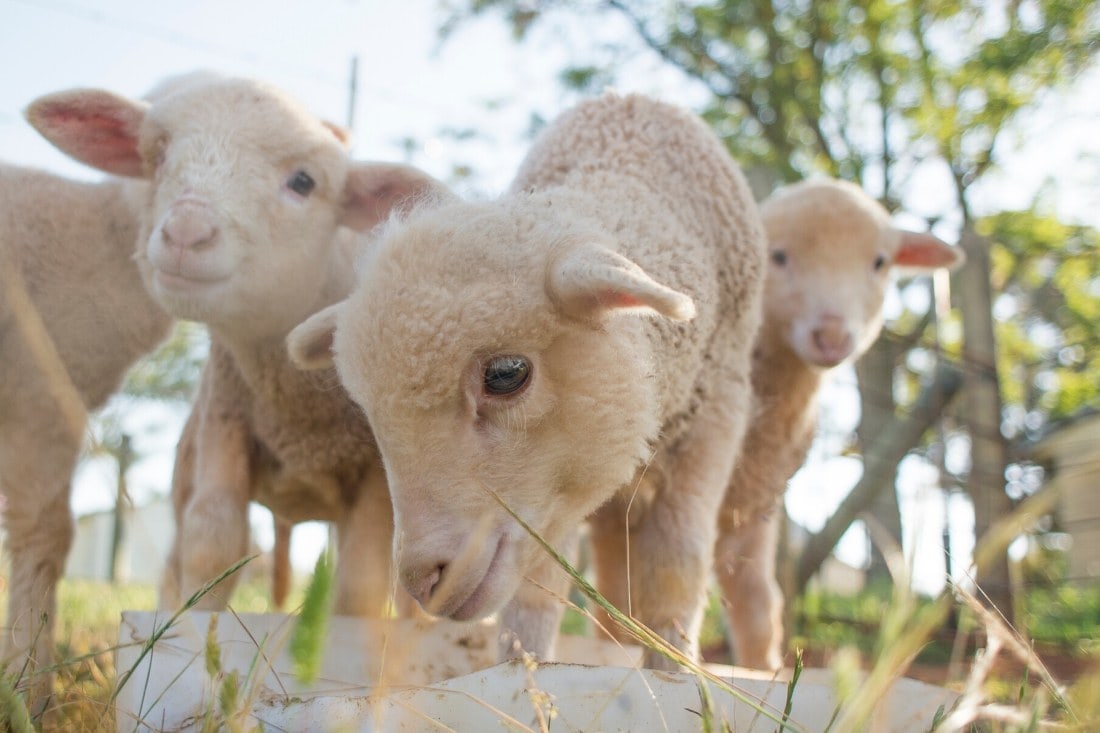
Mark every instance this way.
x=1070 y=451
x=146 y=537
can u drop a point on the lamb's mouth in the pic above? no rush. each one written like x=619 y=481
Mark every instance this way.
x=478 y=602
x=179 y=282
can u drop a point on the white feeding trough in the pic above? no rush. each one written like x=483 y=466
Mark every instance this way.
x=404 y=675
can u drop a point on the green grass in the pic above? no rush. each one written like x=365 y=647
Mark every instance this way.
x=1066 y=615
x=1063 y=619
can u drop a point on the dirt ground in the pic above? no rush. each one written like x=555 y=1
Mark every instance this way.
x=1064 y=667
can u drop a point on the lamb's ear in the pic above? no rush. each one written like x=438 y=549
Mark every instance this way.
x=310 y=342
x=96 y=127
x=341 y=133
x=921 y=252
x=589 y=280
x=374 y=190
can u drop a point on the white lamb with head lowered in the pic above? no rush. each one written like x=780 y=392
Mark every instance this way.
x=248 y=195
x=575 y=349
x=73 y=317
x=832 y=248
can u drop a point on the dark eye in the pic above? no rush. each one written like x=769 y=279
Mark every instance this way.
x=779 y=257
x=505 y=375
x=301 y=183
x=879 y=262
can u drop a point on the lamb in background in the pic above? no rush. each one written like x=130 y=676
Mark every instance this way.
x=248 y=196
x=579 y=348
x=832 y=248
x=73 y=317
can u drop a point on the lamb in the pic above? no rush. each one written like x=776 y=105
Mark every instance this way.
x=832 y=248
x=577 y=349
x=73 y=317
x=249 y=209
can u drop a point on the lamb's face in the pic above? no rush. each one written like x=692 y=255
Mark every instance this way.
x=490 y=386
x=247 y=192
x=246 y=198
x=827 y=276
x=831 y=252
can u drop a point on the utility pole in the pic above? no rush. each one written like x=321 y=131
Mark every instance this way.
x=353 y=92
x=125 y=456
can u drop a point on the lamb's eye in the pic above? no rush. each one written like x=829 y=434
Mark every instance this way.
x=779 y=257
x=505 y=375
x=879 y=262
x=301 y=183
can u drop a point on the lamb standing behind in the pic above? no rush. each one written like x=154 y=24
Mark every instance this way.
x=535 y=352
x=248 y=195
x=831 y=249
x=67 y=246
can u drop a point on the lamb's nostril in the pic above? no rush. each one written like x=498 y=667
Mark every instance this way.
x=421 y=587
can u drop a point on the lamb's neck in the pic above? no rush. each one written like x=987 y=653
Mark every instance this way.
x=780 y=375
x=265 y=366
x=261 y=354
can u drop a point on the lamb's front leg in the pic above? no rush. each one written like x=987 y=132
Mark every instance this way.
x=672 y=548
x=745 y=565
x=529 y=622
x=611 y=528
x=364 y=558
x=214 y=531
x=170 y=594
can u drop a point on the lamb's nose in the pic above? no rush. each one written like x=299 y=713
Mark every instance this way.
x=188 y=227
x=832 y=338
x=420 y=582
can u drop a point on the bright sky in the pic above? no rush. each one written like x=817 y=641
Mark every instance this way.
x=410 y=86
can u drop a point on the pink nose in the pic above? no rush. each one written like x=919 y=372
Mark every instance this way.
x=188 y=227
x=421 y=582
x=832 y=339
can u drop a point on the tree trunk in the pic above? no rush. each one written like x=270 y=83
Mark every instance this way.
x=982 y=416
x=875 y=370
x=880 y=464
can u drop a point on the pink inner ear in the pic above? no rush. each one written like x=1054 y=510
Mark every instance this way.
x=320 y=347
x=925 y=251
x=103 y=138
x=619 y=299
x=374 y=190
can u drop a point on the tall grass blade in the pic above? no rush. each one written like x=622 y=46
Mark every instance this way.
x=789 y=704
x=14 y=715
x=307 y=642
x=894 y=659
x=160 y=631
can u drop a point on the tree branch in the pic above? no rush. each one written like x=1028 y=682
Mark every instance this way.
x=879 y=465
